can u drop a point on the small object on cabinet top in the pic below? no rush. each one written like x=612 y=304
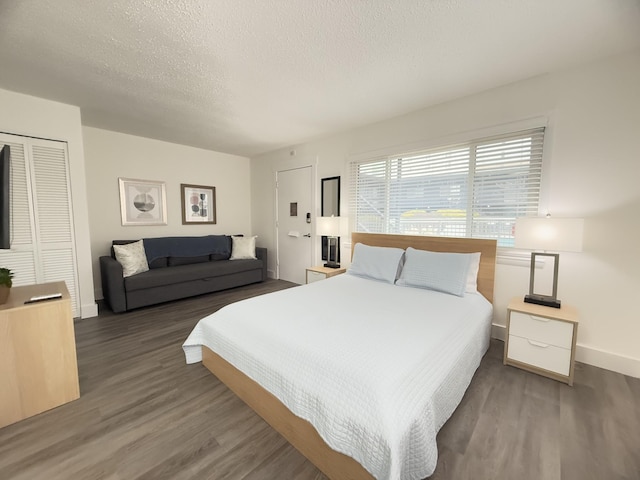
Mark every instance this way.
x=42 y=298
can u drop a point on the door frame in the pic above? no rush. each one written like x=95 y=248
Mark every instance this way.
x=286 y=166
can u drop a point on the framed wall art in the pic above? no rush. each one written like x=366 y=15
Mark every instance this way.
x=142 y=202
x=198 y=204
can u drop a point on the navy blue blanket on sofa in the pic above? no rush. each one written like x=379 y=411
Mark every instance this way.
x=186 y=246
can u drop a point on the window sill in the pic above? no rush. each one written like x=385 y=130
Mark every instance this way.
x=518 y=258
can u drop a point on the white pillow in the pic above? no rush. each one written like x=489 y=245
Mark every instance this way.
x=472 y=274
x=243 y=248
x=378 y=263
x=443 y=272
x=132 y=257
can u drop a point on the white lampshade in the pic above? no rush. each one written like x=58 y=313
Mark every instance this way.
x=549 y=234
x=331 y=226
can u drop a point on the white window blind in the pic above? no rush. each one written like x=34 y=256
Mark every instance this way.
x=475 y=189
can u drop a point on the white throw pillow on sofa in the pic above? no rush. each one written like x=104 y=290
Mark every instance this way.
x=132 y=257
x=243 y=248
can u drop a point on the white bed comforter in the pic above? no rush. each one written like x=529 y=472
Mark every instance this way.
x=376 y=368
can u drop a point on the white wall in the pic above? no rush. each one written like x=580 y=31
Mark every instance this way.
x=36 y=117
x=111 y=155
x=592 y=152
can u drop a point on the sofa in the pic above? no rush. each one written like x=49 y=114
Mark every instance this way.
x=178 y=267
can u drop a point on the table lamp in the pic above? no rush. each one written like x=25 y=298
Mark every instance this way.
x=549 y=235
x=331 y=227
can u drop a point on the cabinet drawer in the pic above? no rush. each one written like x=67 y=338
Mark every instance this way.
x=314 y=276
x=540 y=329
x=539 y=354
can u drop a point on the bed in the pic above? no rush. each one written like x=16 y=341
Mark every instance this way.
x=358 y=374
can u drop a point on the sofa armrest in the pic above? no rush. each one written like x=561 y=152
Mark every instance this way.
x=261 y=254
x=113 y=284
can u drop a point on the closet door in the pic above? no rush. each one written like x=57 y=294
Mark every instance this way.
x=42 y=234
x=51 y=194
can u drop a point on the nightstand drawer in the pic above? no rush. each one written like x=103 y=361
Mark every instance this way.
x=540 y=354
x=315 y=276
x=541 y=329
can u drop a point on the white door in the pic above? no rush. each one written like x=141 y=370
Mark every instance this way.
x=293 y=223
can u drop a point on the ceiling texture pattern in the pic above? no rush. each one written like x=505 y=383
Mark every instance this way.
x=250 y=76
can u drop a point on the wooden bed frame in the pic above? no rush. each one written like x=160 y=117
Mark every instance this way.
x=300 y=433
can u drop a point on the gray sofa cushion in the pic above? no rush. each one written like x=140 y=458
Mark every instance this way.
x=159 y=263
x=177 y=261
x=152 y=296
x=185 y=273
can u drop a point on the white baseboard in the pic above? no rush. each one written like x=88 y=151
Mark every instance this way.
x=607 y=360
x=89 y=311
x=591 y=356
x=499 y=332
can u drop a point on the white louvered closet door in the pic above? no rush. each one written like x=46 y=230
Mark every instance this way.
x=42 y=234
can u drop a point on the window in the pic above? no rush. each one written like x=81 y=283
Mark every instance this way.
x=475 y=189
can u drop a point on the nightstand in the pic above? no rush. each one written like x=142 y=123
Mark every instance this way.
x=541 y=339
x=320 y=273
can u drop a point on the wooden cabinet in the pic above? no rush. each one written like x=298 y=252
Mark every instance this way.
x=320 y=273
x=541 y=339
x=38 y=364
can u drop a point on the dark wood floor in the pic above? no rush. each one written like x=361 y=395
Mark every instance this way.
x=145 y=414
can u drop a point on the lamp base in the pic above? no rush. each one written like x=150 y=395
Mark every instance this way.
x=542 y=300
x=332 y=265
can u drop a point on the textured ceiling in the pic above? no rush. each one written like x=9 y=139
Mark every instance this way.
x=250 y=76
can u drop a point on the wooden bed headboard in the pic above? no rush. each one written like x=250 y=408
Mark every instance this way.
x=487 y=248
